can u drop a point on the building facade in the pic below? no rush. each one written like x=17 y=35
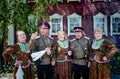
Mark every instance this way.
x=89 y=14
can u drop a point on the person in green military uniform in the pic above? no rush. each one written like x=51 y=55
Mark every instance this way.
x=80 y=47
x=40 y=42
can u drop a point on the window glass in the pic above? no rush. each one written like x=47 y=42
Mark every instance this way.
x=56 y=23
x=73 y=20
x=100 y=21
x=98 y=0
x=115 y=23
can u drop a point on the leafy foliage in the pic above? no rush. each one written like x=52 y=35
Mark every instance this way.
x=16 y=12
x=115 y=64
x=4 y=15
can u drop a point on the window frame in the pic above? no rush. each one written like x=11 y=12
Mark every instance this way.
x=74 y=15
x=56 y=16
x=31 y=19
x=116 y=15
x=110 y=0
x=99 y=0
x=11 y=34
x=100 y=15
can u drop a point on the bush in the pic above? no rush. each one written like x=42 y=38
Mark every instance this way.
x=115 y=64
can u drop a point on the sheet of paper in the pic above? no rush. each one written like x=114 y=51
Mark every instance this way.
x=35 y=56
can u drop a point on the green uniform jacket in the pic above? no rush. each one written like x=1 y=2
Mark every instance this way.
x=40 y=44
x=81 y=49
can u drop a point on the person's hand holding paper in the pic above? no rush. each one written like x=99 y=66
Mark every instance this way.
x=35 y=56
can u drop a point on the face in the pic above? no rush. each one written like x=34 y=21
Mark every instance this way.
x=21 y=36
x=98 y=35
x=44 y=31
x=61 y=36
x=78 y=35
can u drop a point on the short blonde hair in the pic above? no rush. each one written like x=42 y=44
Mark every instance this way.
x=61 y=32
x=98 y=30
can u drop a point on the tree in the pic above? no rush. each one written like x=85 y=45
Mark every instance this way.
x=4 y=15
x=16 y=12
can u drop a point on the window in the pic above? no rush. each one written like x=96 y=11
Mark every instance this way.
x=11 y=34
x=73 y=20
x=56 y=22
x=73 y=0
x=100 y=21
x=99 y=0
x=115 y=24
x=31 y=19
x=113 y=0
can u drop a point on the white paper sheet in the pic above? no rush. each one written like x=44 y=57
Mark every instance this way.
x=35 y=56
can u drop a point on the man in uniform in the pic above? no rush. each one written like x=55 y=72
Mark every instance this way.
x=80 y=48
x=40 y=42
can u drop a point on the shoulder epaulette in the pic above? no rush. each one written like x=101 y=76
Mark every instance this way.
x=51 y=37
x=72 y=40
x=86 y=37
